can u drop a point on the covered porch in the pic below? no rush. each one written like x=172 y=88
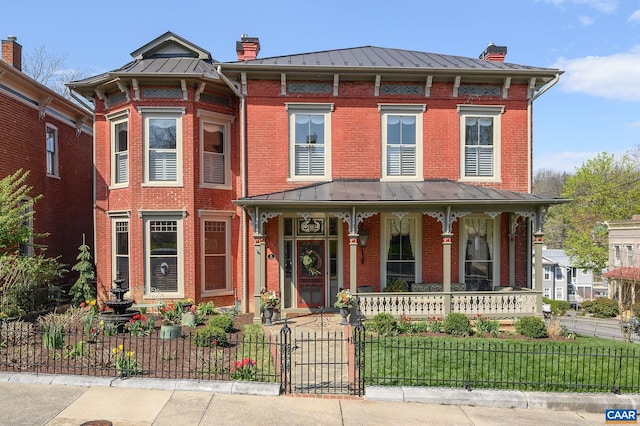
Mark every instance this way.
x=418 y=249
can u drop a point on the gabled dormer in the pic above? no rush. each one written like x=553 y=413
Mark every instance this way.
x=170 y=45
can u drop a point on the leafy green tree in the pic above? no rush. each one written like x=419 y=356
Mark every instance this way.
x=605 y=188
x=83 y=289
x=16 y=211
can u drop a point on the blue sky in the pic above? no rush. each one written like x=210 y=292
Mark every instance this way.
x=594 y=108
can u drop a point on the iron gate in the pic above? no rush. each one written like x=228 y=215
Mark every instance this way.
x=328 y=362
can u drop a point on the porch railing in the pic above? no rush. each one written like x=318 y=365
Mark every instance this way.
x=509 y=304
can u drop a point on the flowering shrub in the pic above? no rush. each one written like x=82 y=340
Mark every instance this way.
x=140 y=325
x=435 y=325
x=125 y=361
x=210 y=337
x=244 y=369
x=344 y=299
x=269 y=299
x=485 y=325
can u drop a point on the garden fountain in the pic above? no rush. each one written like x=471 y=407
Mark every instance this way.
x=121 y=312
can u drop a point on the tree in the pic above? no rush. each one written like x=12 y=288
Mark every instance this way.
x=16 y=211
x=551 y=183
x=48 y=69
x=83 y=290
x=603 y=189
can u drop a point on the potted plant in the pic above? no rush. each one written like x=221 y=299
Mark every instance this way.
x=171 y=318
x=345 y=301
x=269 y=301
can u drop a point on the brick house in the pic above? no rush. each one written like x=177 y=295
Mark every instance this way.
x=623 y=270
x=356 y=168
x=52 y=138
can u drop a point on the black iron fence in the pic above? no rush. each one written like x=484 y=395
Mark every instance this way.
x=324 y=363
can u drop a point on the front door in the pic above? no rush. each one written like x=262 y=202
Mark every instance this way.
x=311 y=274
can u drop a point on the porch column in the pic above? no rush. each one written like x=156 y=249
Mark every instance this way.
x=446 y=270
x=537 y=252
x=353 y=257
x=259 y=277
x=512 y=259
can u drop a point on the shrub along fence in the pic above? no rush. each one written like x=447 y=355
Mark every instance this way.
x=372 y=360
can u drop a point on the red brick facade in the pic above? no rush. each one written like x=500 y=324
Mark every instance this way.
x=27 y=108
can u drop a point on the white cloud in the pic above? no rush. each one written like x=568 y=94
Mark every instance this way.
x=612 y=77
x=606 y=6
x=585 y=20
x=635 y=17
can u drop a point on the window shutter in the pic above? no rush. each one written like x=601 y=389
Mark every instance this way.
x=162 y=165
x=122 y=167
x=309 y=160
x=485 y=162
x=213 y=167
x=471 y=162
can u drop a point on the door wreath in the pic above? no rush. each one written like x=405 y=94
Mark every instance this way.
x=311 y=261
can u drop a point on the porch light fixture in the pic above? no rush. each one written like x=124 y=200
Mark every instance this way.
x=363 y=238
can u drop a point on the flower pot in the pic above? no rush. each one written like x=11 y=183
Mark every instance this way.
x=170 y=331
x=268 y=315
x=344 y=313
x=189 y=319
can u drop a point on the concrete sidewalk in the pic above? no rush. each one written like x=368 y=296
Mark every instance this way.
x=28 y=399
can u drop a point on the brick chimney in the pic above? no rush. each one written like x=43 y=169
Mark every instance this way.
x=494 y=53
x=12 y=52
x=247 y=48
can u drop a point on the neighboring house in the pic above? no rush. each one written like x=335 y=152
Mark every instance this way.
x=623 y=268
x=562 y=281
x=308 y=173
x=52 y=138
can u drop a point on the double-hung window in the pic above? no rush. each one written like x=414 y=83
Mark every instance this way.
x=480 y=142
x=309 y=141
x=162 y=145
x=120 y=227
x=216 y=252
x=119 y=125
x=163 y=253
x=479 y=252
x=402 y=249
x=52 y=150
x=215 y=147
x=401 y=141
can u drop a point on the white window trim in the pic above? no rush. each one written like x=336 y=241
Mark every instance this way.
x=495 y=112
x=384 y=246
x=496 y=247
x=56 y=153
x=217 y=216
x=617 y=255
x=221 y=120
x=546 y=273
x=310 y=108
x=416 y=110
x=147 y=113
x=28 y=247
x=115 y=119
x=148 y=216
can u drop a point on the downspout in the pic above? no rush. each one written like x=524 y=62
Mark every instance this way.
x=544 y=89
x=243 y=191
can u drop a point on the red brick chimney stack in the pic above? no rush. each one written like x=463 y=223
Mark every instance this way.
x=494 y=53
x=12 y=52
x=247 y=48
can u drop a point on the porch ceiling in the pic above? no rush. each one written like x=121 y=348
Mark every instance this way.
x=427 y=194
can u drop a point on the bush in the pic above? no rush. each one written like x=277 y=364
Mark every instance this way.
x=532 y=327
x=209 y=337
x=384 y=324
x=223 y=321
x=485 y=325
x=457 y=324
x=635 y=308
x=602 y=307
x=558 y=307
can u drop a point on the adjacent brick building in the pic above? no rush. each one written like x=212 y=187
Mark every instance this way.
x=52 y=138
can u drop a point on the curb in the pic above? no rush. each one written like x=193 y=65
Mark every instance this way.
x=583 y=402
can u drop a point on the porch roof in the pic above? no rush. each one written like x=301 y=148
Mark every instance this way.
x=626 y=273
x=430 y=194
